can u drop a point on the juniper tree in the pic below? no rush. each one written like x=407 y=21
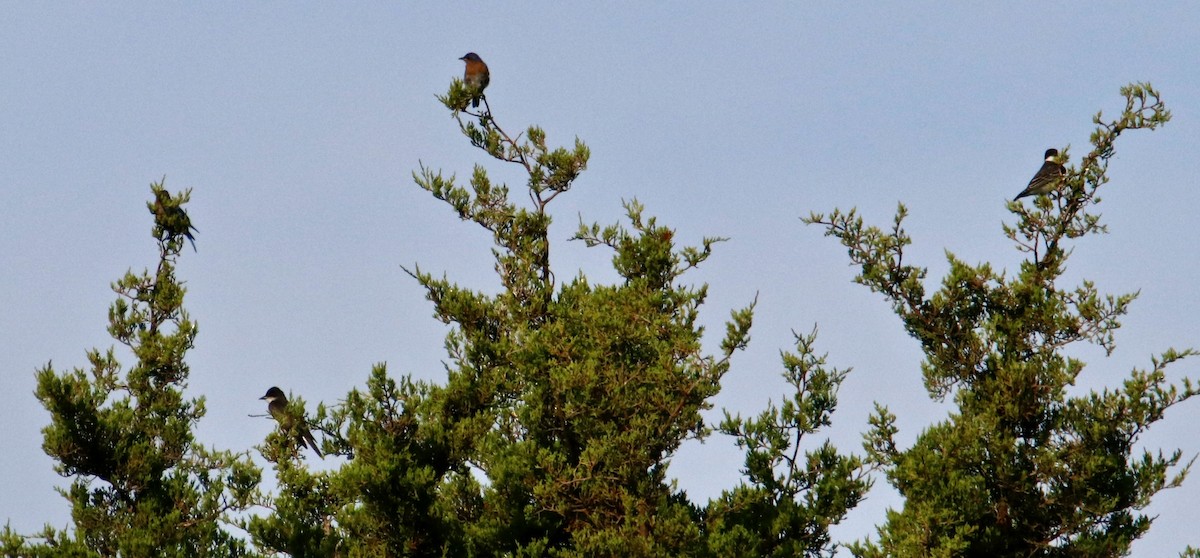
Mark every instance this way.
x=142 y=485
x=1020 y=467
x=789 y=499
x=568 y=400
x=562 y=405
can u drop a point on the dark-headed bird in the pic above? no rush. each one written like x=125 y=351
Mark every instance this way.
x=1047 y=178
x=476 y=76
x=277 y=405
x=172 y=218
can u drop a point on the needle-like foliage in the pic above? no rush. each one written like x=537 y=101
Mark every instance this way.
x=1021 y=467
x=141 y=484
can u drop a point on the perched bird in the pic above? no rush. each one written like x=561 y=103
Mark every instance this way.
x=277 y=404
x=172 y=218
x=476 y=76
x=1047 y=178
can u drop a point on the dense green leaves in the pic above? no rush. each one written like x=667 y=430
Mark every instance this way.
x=1020 y=468
x=563 y=403
x=791 y=498
x=142 y=485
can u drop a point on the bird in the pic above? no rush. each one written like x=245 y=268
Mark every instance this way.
x=476 y=76
x=1047 y=178
x=172 y=218
x=277 y=404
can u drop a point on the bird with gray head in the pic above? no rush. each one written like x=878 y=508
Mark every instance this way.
x=1047 y=178
x=277 y=405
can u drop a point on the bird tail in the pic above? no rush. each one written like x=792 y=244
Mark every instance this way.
x=312 y=443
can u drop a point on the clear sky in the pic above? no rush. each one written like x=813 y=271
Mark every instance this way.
x=298 y=129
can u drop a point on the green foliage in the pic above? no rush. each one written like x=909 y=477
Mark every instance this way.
x=1020 y=468
x=142 y=485
x=791 y=499
x=564 y=403
x=562 y=407
x=393 y=498
x=300 y=522
x=569 y=401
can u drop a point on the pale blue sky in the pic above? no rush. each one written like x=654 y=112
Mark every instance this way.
x=298 y=129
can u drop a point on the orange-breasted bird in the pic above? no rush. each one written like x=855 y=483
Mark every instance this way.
x=1047 y=178
x=476 y=76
